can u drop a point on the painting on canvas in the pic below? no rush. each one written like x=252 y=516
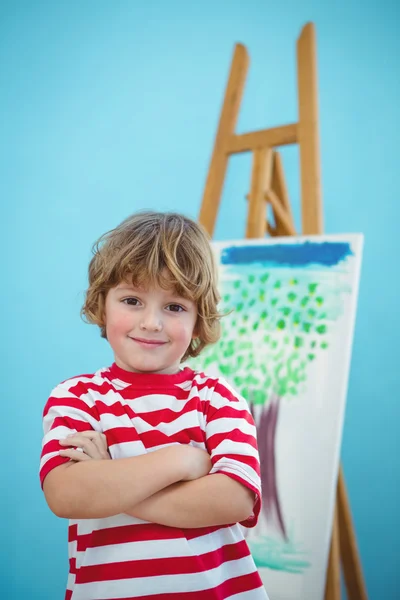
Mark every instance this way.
x=286 y=347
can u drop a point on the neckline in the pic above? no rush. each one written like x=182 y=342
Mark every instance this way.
x=150 y=379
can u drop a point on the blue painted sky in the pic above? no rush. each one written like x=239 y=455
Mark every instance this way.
x=304 y=254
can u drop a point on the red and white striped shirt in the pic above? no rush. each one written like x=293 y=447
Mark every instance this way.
x=125 y=558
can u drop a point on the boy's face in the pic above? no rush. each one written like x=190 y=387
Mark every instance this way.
x=148 y=330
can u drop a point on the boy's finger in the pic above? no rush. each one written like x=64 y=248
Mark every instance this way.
x=74 y=455
x=100 y=441
x=90 y=447
x=78 y=440
x=87 y=433
x=94 y=444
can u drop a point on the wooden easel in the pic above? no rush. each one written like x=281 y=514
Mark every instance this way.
x=268 y=187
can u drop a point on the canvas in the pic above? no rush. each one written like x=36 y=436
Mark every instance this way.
x=286 y=347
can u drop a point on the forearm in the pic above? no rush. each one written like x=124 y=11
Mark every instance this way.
x=102 y=488
x=212 y=500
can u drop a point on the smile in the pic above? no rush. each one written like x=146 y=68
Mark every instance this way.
x=148 y=343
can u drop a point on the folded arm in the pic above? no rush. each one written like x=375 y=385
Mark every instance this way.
x=96 y=489
x=82 y=485
x=212 y=500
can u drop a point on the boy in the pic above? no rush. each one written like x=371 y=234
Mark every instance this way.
x=160 y=520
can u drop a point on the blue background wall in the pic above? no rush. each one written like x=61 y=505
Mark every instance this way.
x=110 y=107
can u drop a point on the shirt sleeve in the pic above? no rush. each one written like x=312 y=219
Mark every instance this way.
x=231 y=441
x=63 y=414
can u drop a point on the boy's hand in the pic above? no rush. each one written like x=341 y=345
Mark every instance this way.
x=93 y=444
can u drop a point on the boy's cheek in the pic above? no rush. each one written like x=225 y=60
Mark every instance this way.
x=118 y=326
x=184 y=333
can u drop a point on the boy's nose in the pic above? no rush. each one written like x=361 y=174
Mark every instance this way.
x=151 y=322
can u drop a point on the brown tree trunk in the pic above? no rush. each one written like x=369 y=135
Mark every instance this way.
x=266 y=424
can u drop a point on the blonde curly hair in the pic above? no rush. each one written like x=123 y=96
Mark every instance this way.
x=155 y=248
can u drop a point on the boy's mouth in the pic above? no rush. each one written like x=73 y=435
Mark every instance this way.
x=148 y=342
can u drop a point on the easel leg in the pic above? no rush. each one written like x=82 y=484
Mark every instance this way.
x=278 y=186
x=260 y=180
x=226 y=128
x=332 y=586
x=308 y=132
x=351 y=563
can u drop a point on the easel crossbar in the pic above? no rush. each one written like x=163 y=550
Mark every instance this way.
x=276 y=136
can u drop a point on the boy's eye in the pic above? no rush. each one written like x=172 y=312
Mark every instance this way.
x=175 y=307
x=131 y=301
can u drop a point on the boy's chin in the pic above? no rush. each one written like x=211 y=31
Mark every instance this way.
x=155 y=369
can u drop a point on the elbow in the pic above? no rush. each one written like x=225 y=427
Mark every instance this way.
x=65 y=510
x=62 y=514
x=57 y=507
x=59 y=503
x=58 y=494
x=67 y=505
x=245 y=506
x=73 y=506
x=241 y=504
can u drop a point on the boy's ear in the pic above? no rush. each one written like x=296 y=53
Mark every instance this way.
x=195 y=333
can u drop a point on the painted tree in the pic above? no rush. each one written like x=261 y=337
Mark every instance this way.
x=275 y=327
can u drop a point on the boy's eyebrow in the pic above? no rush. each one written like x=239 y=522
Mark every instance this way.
x=128 y=288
